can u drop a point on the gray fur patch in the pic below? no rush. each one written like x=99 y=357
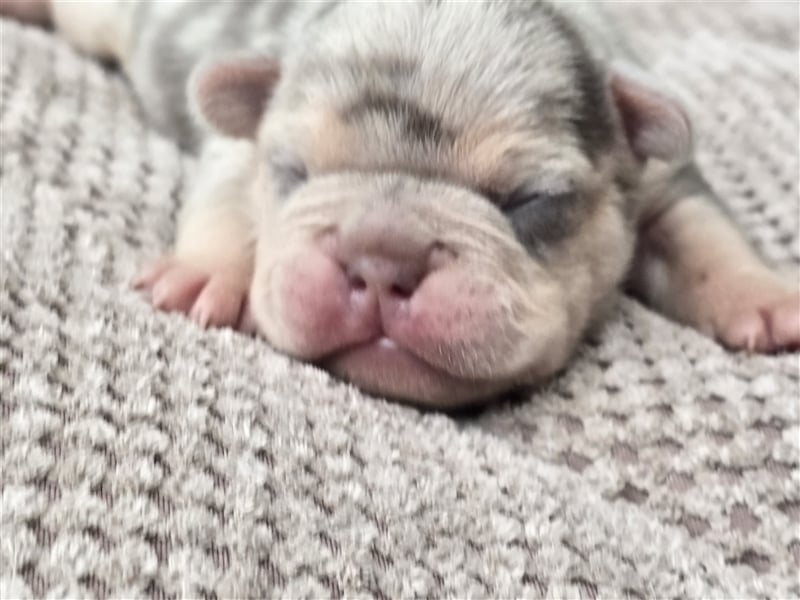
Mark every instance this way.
x=592 y=116
x=417 y=123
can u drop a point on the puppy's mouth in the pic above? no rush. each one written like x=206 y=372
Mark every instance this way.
x=380 y=353
x=383 y=366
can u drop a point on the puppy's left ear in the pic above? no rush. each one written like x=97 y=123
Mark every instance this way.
x=656 y=125
x=231 y=95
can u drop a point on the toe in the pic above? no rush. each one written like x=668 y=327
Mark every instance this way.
x=785 y=324
x=148 y=276
x=218 y=305
x=747 y=331
x=177 y=289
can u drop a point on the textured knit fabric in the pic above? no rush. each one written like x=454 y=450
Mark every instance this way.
x=144 y=457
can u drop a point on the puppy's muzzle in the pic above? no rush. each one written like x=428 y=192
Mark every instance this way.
x=430 y=303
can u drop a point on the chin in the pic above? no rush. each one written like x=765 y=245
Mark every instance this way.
x=384 y=368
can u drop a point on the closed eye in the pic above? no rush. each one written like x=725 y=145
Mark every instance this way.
x=516 y=199
x=543 y=218
x=521 y=198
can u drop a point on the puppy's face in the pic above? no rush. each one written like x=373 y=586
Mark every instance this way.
x=438 y=230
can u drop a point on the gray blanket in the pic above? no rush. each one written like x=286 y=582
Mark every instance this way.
x=141 y=456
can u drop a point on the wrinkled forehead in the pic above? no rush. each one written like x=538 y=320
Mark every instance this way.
x=510 y=85
x=393 y=134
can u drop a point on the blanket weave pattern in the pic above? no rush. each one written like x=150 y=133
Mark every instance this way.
x=141 y=456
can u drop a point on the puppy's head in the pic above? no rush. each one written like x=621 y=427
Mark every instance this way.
x=439 y=190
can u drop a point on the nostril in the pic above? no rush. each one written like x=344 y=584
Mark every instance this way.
x=401 y=291
x=393 y=277
x=357 y=283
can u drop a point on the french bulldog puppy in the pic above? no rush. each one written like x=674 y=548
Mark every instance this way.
x=433 y=200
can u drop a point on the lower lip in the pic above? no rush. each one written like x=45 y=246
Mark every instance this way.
x=381 y=361
x=382 y=353
x=385 y=368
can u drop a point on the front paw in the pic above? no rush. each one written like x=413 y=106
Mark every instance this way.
x=756 y=313
x=765 y=327
x=211 y=298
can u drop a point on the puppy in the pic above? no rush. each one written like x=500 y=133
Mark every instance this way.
x=432 y=200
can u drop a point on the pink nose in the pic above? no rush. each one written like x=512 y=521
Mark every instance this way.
x=362 y=284
x=386 y=275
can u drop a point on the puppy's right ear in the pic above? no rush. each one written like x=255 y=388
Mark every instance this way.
x=231 y=95
x=656 y=124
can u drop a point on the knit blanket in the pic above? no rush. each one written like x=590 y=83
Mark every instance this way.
x=141 y=456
